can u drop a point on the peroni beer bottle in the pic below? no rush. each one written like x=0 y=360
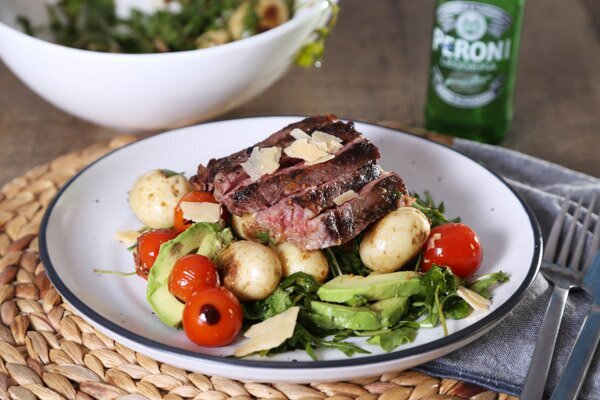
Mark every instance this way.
x=473 y=63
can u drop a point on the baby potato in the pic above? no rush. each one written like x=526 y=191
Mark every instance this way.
x=155 y=194
x=250 y=270
x=394 y=240
x=245 y=226
x=293 y=260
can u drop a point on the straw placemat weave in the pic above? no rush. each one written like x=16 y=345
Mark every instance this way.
x=48 y=352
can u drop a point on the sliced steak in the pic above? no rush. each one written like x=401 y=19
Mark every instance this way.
x=340 y=224
x=252 y=197
x=295 y=211
x=227 y=170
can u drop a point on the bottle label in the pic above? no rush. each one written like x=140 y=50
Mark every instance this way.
x=471 y=50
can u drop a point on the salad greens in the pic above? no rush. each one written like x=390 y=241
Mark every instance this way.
x=345 y=259
x=95 y=25
x=435 y=213
x=296 y=290
x=178 y=26
x=436 y=301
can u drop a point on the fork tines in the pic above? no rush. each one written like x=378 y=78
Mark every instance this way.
x=581 y=218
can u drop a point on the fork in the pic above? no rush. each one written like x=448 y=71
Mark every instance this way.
x=565 y=274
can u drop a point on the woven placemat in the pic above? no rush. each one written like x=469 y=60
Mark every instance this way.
x=48 y=352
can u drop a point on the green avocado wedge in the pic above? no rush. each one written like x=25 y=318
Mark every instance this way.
x=373 y=287
x=206 y=238
x=391 y=310
x=344 y=317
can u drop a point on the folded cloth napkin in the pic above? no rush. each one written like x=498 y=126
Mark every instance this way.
x=499 y=360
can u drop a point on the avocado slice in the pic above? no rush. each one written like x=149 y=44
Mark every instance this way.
x=208 y=238
x=373 y=287
x=344 y=317
x=390 y=310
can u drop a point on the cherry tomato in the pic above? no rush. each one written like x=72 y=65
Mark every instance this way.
x=182 y=224
x=212 y=317
x=148 y=245
x=455 y=246
x=190 y=274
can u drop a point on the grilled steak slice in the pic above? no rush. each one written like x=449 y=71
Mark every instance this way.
x=227 y=169
x=340 y=224
x=251 y=197
x=297 y=209
x=228 y=180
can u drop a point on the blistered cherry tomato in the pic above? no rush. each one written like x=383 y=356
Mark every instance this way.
x=181 y=224
x=190 y=274
x=212 y=317
x=148 y=245
x=455 y=246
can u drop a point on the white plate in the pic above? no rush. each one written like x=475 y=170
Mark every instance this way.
x=78 y=228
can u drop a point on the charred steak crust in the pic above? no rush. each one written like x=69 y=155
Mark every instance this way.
x=340 y=224
x=321 y=197
x=352 y=217
x=296 y=202
x=232 y=175
x=207 y=175
x=272 y=188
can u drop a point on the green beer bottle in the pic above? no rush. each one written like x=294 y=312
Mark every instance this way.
x=473 y=63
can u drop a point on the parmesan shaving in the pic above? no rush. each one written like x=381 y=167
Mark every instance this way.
x=262 y=162
x=345 y=197
x=201 y=212
x=473 y=299
x=325 y=137
x=305 y=151
x=269 y=333
x=333 y=143
x=299 y=134
x=127 y=237
x=321 y=140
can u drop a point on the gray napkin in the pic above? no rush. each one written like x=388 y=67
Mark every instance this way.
x=499 y=360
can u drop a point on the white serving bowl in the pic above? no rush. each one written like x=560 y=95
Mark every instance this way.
x=137 y=92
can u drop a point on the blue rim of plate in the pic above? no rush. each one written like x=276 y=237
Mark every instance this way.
x=476 y=328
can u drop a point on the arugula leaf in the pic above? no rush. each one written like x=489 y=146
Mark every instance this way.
x=484 y=283
x=403 y=333
x=440 y=310
x=456 y=308
x=345 y=259
x=302 y=338
x=435 y=213
x=439 y=284
x=292 y=291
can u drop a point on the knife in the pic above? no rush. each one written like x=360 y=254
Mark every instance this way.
x=570 y=384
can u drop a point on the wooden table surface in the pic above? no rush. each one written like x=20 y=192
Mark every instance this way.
x=376 y=69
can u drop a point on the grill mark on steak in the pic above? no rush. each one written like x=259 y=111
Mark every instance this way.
x=338 y=225
x=292 y=213
x=268 y=190
x=321 y=197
